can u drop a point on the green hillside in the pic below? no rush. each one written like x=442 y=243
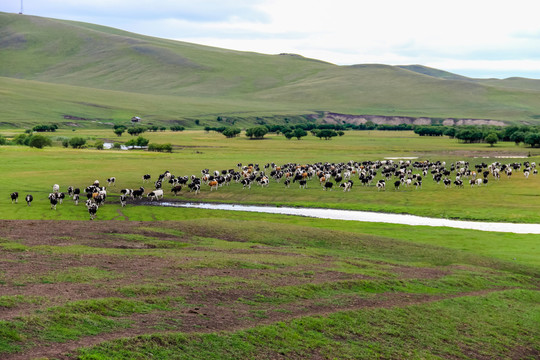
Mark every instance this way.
x=50 y=69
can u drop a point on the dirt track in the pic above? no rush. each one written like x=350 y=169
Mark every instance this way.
x=209 y=305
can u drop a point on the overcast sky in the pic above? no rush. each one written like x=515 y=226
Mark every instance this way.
x=475 y=38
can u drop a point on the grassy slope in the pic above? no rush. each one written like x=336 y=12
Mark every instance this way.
x=187 y=76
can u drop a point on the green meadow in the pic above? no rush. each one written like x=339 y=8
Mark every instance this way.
x=152 y=282
x=34 y=171
x=145 y=282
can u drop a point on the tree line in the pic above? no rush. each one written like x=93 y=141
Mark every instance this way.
x=526 y=134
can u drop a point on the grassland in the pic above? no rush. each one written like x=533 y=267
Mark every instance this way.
x=34 y=171
x=52 y=68
x=166 y=283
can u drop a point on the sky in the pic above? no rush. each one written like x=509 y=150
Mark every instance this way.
x=474 y=38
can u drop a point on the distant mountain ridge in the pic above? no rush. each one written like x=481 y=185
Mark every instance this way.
x=53 y=68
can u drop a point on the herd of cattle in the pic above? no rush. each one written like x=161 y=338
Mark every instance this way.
x=327 y=175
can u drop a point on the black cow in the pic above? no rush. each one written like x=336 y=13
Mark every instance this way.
x=146 y=177
x=328 y=185
x=176 y=189
x=14 y=197
x=29 y=199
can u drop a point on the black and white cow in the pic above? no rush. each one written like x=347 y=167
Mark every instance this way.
x=14 y=197
x=92 y=210
x=146 y=178
x=155 y=195
x=123 y=200
x=176 y=189
x=76 y=199
x=246 y=183
x=381 y=185
x=195 y=187
x=29 y=198
x=111 y=181
x=328 y=185
x=53 y=200
x=60 y=197
x=138 y=193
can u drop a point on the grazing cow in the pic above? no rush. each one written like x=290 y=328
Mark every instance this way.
x=247 y=183
x=397 y=183
x=213 y=185
x=303 y=184
x=458 y=183
x=447 y=182
x=123 y=200
x=176 y=189
x=346 y=185
x=127 y=192
x=138 y=193
x=194 y=187
x=92 y=210
x=111 y=181
x=56 y=188
x=60 y=197
x=29 y=199
x=146 y=178
x=158 y=184
x=287 y=183
x=77 y=192
x=418 y=184
x=76 y=199
x=328 y=185
x=14 y=197
x=264 y=181
x=155 y=195
x=381 y=185
x=70 y=190
x=53 y=200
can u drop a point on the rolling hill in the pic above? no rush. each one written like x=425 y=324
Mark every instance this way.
x=63 y=71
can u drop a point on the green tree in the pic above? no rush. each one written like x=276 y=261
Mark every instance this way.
x=299 y=133
x=99 y=145
x=231 y=132
x=119 y=130
x=289 y=135
x=326 y=134
x=532 y=139
x=491 y=138
x=257 y=132
x=518 y=137
x=39 y=141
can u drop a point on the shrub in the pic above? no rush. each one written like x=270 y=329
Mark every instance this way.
x=160 y=147
x=177 y=128
x=21 y=139
x=139 y=141
x=3 y=140
x=77 y=142
x=99 y=145
x=117 y=146
x=39 y=141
